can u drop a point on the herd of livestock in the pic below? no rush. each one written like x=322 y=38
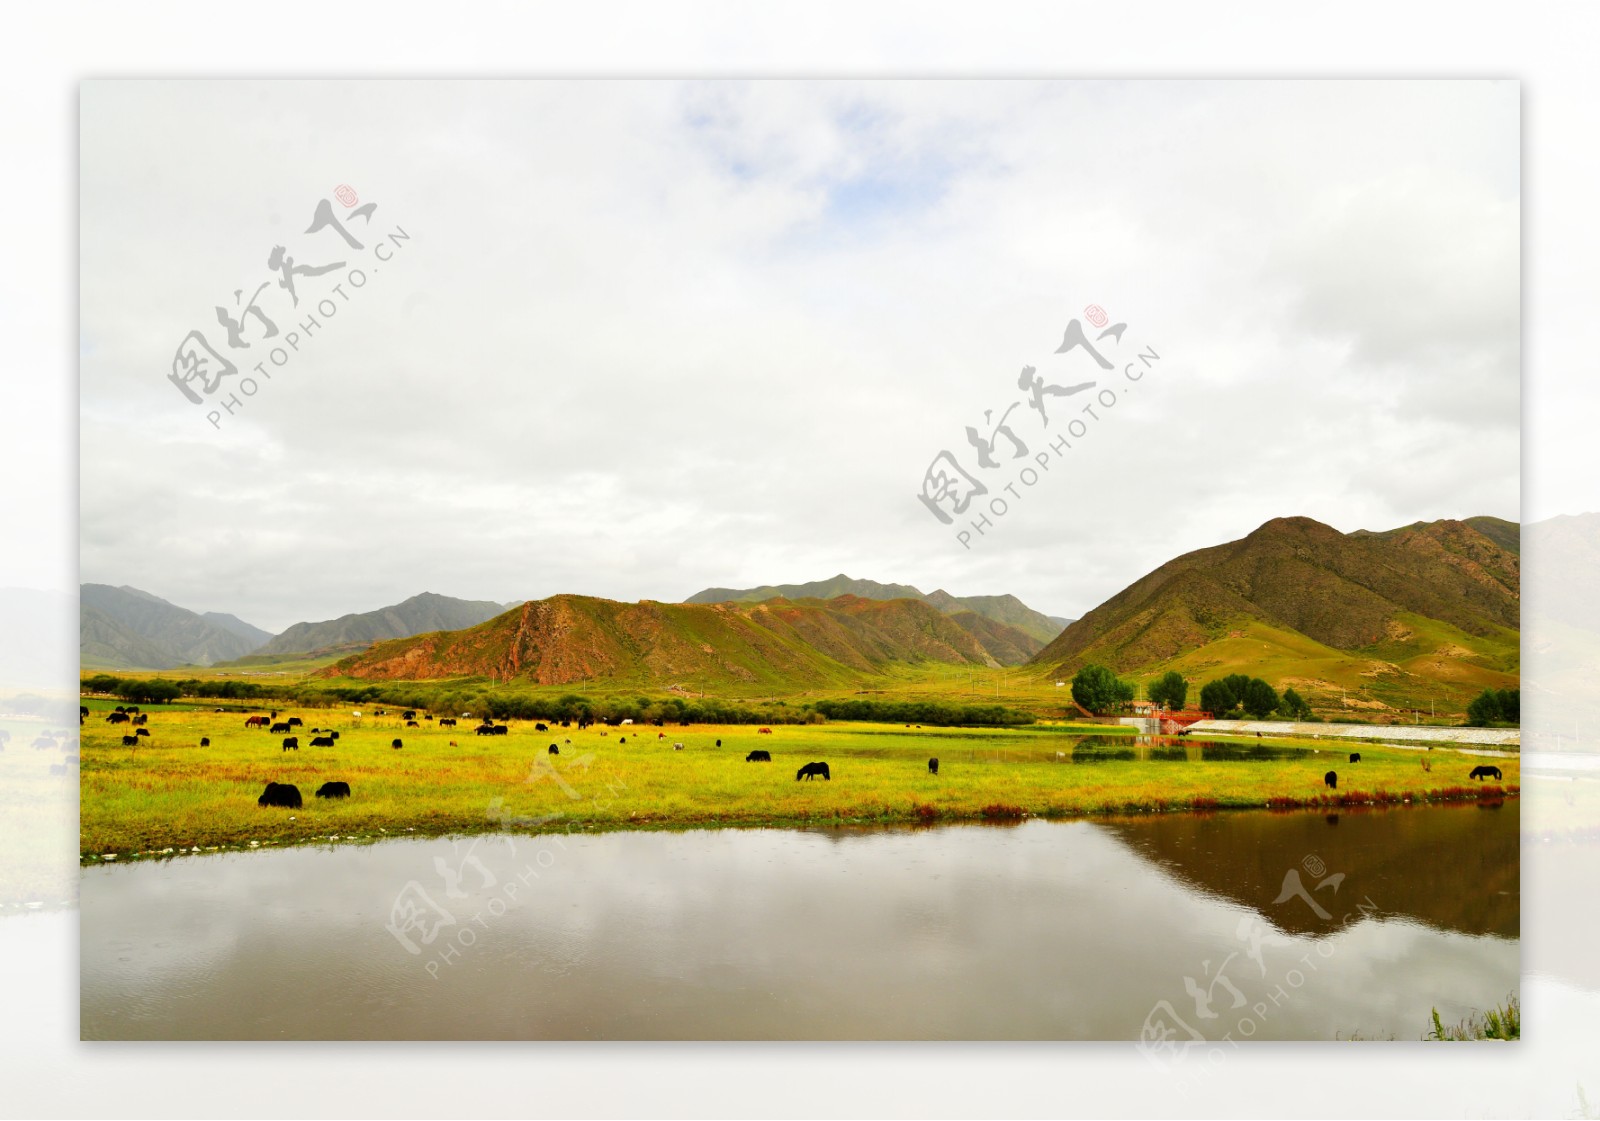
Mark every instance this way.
x=288 y=795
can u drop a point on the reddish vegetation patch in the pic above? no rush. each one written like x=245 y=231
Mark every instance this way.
x=923 y=811
x=1203 y=803
x=1001 y=810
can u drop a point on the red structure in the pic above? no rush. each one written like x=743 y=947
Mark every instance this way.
x=1175 y=722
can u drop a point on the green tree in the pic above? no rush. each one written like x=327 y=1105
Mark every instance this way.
x=1294 y=706
x=1097 y=689
x=1217 y=698
x=1260 y=699
x=1170 y=690
x=1485 y=709
x=1510 y=705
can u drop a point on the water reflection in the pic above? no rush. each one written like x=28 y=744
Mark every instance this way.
x=1044 y=930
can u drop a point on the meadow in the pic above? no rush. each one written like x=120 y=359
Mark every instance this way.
x=170 y=795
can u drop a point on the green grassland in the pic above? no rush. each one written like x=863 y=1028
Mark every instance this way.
x=1422 y=665
x=170 y=793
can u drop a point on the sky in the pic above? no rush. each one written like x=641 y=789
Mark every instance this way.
x=633 y=339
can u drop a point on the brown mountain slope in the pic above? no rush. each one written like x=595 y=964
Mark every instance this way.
x=1342 y=590
x=779 y=643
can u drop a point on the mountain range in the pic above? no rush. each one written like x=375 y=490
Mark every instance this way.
x=777 y=642
x=417 y=615
x=1007 y=609
x=1388 y=619
x=125 y=627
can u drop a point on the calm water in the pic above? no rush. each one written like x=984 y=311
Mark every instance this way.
x=1044 y=930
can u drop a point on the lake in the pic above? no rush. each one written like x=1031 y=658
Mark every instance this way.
x=1241 y=925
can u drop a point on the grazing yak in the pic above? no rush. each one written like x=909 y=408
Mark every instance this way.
x=291 y=743
x=296 y=722
x=1331 y=780
x=933 y=766
x=136 y=731
x=811 y=771
x=279 y=727
x=130 y=741
x=334 y=790
x=412 y=724
x=501 y=730
x=677 y=747
x=333 y=735
x=117 y=718
x=1486 y=772
x=554 y=750
x=758 y=756
x=397 y=744
x=1355 y=757
x=205 y=741
x=322 y=741
x=282 y=794
x=447 y=722
x=540 y=728
x=719 y=743
x=409 y=714
x=484 y=729
x=142 y=718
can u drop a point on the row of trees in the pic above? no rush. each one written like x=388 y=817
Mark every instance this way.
x=503 y=704
x=1228 y=698
x=1100 y=691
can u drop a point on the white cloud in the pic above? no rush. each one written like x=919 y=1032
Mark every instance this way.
x=648 y=337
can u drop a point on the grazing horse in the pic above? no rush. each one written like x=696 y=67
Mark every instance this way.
x=933 y=766
x=334 y=790
x=758 y=756
x=280 y=794
x=811 y=771
x=1355 y=757
x=1331 y=780
x=763 y=731
x=256 y=722
x=1486 y=772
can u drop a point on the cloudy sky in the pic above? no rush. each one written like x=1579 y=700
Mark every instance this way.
x=641 y=337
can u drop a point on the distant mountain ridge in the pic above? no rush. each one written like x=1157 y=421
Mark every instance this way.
x=1006 y=609
x=124 y=627
x=778 y=642
x=421 y=613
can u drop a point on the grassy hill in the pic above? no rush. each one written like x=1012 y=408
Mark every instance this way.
x=1362 y=622
x=776 y=646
